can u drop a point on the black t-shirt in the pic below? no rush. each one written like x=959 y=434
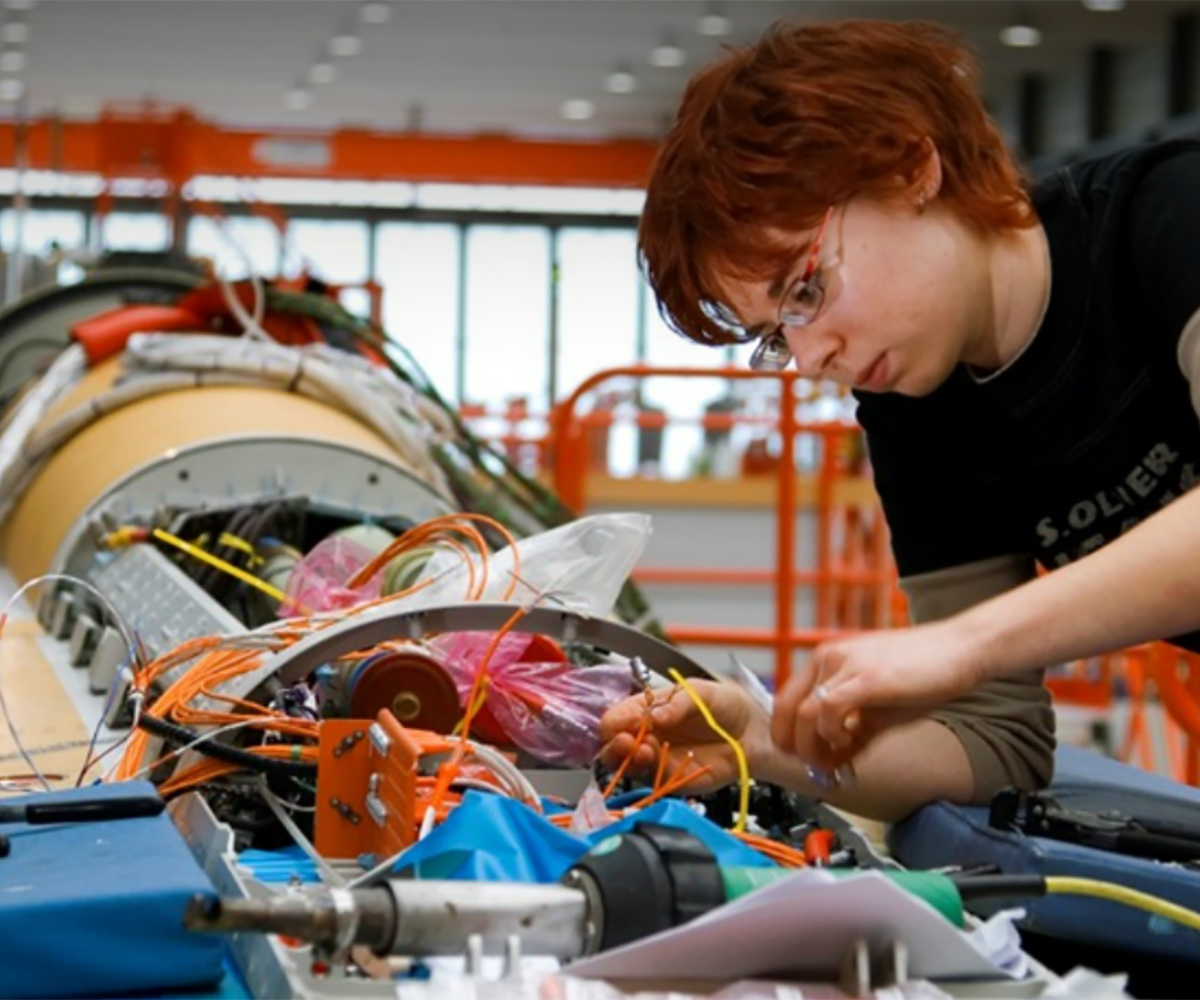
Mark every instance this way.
x=1091 y=429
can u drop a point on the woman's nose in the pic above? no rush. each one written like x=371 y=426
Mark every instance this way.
x=814 y=351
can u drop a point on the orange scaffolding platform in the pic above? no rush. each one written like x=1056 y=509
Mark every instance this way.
x=851 y=570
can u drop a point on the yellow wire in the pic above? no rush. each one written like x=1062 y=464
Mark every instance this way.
x=1121 y=894
x=738 y=752
x=479 y=700
x=234 y=542
x=221 y=564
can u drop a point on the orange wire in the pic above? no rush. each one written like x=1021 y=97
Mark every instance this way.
x=638 y=738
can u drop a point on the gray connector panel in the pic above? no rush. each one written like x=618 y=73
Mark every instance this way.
x=159 y=602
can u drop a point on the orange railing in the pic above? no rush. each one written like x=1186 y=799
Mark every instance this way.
x=838 y=584
x=1176 y=677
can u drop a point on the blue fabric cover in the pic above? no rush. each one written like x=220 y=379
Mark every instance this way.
x=95 y=908
x=943 y=834
x=493 y=839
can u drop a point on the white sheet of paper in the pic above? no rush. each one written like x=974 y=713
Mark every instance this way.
x=799 y=926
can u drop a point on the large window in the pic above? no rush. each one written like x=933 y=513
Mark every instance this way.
x=333 y=250
x=508 y=315
x=598 y=328
x=236 y=246
x=417 y=266
x=148 y=232
x=597 y=303
x=40 y=231
x=682 y=398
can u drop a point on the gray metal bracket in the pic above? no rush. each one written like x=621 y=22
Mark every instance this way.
x=372 y=628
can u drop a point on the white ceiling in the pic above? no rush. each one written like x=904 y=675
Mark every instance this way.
x=468 y=66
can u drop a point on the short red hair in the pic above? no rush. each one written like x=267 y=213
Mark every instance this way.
x=772 y=135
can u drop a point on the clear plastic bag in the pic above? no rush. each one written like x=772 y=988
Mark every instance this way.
x=582 y=565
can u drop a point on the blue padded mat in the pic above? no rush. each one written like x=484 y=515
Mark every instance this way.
x=96 y=908
x=943 y=834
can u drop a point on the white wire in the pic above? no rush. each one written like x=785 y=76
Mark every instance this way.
x=159 y=363
x=251 y=323
x=273 y=803
x=131 y=647
x=517 y=786
x=88 y=763
x=372 y=393
x=66 y=370
x=203 y=738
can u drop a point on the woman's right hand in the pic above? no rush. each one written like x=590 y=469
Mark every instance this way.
x=675 y=720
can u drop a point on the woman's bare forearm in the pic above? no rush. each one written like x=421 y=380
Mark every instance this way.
x=1143 y=586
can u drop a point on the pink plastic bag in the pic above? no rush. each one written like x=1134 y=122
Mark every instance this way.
x=550 y=710
x=318 y=583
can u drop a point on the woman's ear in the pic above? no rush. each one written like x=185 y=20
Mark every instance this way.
x=928 y=180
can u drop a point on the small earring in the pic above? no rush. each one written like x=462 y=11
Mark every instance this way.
x=920 y=202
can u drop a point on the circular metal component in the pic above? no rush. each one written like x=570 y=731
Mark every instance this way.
x=413 y=685
x=198 y=447
x=334 y=477
x=593 y=925
x=406 y=706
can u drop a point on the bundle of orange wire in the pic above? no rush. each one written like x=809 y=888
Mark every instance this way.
x=219 y=665
x=219 y=660
x=445 y=531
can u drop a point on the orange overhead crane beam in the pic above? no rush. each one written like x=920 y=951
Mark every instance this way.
x=174 y=145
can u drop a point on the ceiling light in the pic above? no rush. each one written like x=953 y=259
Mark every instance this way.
x=344 y=46
x=620 y=81
x=1021 y=36
x=714 y=23
x=322 y=72
x=375 y=13
x=15 y=32
x=1104 y=4
x=12 y=90
x=578 y=111
x=13 y=61
x=667 y=55
x=297 y=99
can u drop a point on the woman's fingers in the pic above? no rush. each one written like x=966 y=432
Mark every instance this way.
x=787 y=704
x=836 y=713
x=615 y=752
x=624 y=717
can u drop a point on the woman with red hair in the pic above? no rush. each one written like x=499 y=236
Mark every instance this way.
x=1026 y=363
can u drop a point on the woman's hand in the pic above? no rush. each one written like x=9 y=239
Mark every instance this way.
x=854 y=688
x=675 y=720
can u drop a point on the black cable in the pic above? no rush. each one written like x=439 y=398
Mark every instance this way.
x=973 y=888
x=181 y=736
x=213 y=580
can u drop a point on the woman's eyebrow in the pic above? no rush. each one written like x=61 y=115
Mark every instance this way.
x=783 y=278
x=781 y=282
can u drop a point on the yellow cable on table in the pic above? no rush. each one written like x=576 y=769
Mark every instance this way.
x=1122 y=894
x=738 y=752
x=235 y=571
